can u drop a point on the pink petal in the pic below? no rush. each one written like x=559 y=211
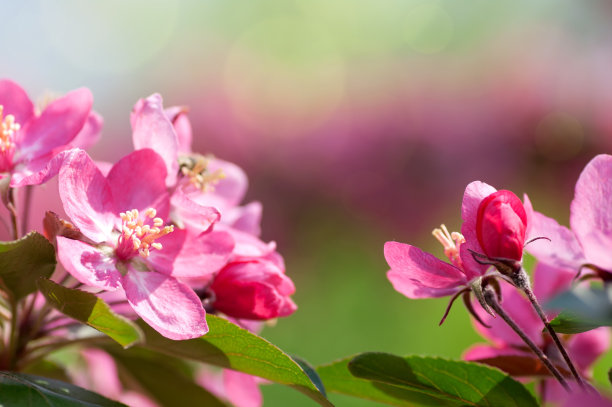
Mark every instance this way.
x=88 y=264
x=182 y=126
x=187 y=256
x=228 y=192
x=137 y=182
x=585 y=348
x=86 y=196
x=40 y=170
x=562 y=250
x=190 y=213
x=242 y=390
x=57 y=126
x=417 y=274
x=474 y=193
x=591 y=216
x=551 y=280
x=152 y=129
x=103 y=374
x=16 y=102
x=167 y=305
x=90 y=133
x=245 y=218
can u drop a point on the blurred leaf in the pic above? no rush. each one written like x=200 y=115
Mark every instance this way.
x=311 y=372
x=610 y=375
x=582 y=309
x=23 y=261
x=165 y=379
x=91 y=310
x=229 y=346
x=517 y=365
x=453 y=383
x=338 y=379
x=47 y=368
x=20 y=389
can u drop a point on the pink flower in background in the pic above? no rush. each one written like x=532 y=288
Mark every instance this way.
x=417 y=274
x=29 y=141
x=131 y=246
x=240 y=389
x=589 y=242
x=583 y=348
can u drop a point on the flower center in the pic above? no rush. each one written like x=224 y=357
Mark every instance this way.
x=195 y=169
x=138 y=234
x=451 y=242
x=8 y=129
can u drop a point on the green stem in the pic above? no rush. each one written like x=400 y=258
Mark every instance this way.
x=13 y=337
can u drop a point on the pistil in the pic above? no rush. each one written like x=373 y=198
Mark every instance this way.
x=451 y=243
x=195 y=169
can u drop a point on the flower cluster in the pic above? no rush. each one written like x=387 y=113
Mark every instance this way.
x=485 y=260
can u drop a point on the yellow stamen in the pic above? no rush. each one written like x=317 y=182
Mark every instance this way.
x=8 y=128
x=142 y=236
x=450 y=242
x=195 y=168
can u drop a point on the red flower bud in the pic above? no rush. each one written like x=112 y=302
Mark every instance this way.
x=500 y=225
x=254 y=289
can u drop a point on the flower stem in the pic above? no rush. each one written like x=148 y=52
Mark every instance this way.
x=491 y=299
x=536 y=305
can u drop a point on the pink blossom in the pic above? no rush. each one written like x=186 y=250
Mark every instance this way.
x=590 y=239
x=30 y=142
x=584 y=348
x=417 y=274
x=240 y=389
x=131 y=246
x=255 y=289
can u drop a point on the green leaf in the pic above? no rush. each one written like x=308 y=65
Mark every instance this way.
x=20 y=389
x=168 y=380
x=568 y=323
x=452 y=383
x=610 y=375
x=91 y=310
x=311 y=372
x=229 y=346
x=582 y=309
x=23 y=261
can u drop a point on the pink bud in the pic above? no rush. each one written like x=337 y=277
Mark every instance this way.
x=255 y=289
x=500 y=225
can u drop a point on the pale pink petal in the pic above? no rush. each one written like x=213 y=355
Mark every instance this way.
x=247 y=245
x=152 y=129
x=551 y=280
x=245 y=218
x=242 y=390
x=228 y=192
x=40 y=170
x=90 y=133
x=15 y=101
x=579 y=398
x=585 y=348
x=480 y=351
x=591 y=216
x=417 y=274
x=186 y=211
x=131 y=398
x=474 y=193
x=212 y=380
x=86 y=196
x=186 y=256
x=88 y=264
x=137 y=182
x=58 y=124
x=167 y=305
x=562 y=250
x=178 y=117
x=102 y=372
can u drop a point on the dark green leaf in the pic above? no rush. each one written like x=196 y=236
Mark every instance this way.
x=167 y=380
x=229 y=346
x=311 y=372
x=568 y=323
x=91 y=310
x=20 y=389
x=610 y=375
x=23 y=261
x=47 y=368
x=453 y=383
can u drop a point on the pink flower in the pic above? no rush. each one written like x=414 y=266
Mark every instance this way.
x=255 y=289
x=240 y=389
x=29 y=141
x=583 y=348
x=590 y=239
x=417 y=274
x=131 y=247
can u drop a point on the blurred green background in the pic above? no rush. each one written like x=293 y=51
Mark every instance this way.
x=357 y=122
